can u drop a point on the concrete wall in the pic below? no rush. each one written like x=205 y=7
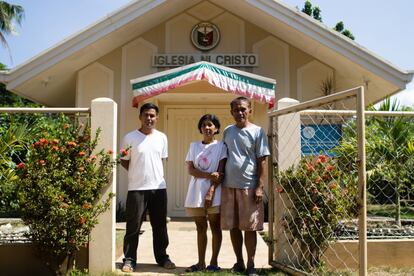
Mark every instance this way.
x=24 y=259
x=390 y=253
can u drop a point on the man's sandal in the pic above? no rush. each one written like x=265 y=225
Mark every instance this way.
x=127 y=267
x=213 y=268
x=238 y=268
x=168 y=264
x=194 y=268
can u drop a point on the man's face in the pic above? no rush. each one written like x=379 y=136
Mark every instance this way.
x=240 y=112
x=148 y=118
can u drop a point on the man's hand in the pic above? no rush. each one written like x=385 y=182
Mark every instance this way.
x=258 y=194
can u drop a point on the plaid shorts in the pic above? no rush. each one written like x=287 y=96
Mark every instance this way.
x=239 y=210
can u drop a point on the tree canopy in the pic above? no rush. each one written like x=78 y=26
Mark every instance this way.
x=315 y=12
x=9 y=15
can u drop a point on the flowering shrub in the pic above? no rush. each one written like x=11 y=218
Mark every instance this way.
x=321 y=195
x=61 y=183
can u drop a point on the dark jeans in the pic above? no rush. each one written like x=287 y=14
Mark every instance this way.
x=155 y=201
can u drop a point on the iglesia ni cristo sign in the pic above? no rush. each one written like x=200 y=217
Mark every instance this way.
x=231 y=60
x=205 y=36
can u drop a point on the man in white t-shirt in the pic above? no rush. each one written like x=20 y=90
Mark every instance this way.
x=146 y=188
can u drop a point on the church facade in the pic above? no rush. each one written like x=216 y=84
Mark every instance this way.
x=263 y=41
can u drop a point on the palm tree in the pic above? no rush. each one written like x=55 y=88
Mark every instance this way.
x=9 y=15
x=393 y=147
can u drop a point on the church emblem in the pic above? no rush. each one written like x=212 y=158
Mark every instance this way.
x=205 y=36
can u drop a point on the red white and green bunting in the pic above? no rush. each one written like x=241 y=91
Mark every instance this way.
x=234 y=81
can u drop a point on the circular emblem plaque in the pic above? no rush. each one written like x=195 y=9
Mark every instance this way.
x=308 y=132
x=205 y=36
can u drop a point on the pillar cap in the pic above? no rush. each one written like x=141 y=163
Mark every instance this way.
x=103 y=99
x=288 y=100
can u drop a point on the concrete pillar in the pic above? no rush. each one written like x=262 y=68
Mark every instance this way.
x=287 y=153
x=102 y=240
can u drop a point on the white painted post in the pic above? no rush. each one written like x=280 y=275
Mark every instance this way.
x=102 y=239
x=288 y=152
x=362 y=187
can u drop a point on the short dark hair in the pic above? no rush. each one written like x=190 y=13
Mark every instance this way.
x=239 y=99
x=147 y=106
x=212 y=118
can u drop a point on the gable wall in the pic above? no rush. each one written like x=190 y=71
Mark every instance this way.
x=298 y=75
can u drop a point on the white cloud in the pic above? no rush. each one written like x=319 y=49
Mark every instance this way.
x=406 y=97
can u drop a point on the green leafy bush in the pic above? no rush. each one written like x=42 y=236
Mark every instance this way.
x=60 y=185
x=320 y=196
x=12 y=143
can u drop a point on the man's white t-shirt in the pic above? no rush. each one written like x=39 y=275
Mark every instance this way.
x=145 y=159
x=206 y=158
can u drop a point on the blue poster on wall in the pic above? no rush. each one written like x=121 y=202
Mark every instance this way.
x=317 y=139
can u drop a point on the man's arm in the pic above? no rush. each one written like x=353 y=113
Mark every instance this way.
x=125 y=164
x=261 y=174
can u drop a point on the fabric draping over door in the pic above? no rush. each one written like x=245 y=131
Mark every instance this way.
x=232 y=80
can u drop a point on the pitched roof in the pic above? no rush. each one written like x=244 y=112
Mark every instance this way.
x=289 y=24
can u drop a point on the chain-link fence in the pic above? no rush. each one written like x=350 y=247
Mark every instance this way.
x=318 y=185
x=390 y=176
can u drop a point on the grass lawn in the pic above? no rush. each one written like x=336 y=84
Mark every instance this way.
x=389 y=211
x=375 y=271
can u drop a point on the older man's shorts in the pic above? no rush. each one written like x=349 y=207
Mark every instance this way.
x=239 y=210
x=202 y=211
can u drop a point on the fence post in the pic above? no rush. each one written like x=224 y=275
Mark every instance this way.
x=362 y=184
x=102 y=239
x=287 y=153
x=271 y=186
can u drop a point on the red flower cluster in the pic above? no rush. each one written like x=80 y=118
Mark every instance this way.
x=72 y=144
x=322 y=159
x=310 y=167
x=42 y=142
x=20 y=166
x=333 y=185
x=124 y=152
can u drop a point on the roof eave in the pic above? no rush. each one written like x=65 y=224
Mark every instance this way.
x=4 y=76
x=332 y=39
x=78 y=41
x=286 y=14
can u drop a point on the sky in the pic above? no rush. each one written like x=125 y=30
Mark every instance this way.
x=383 y=27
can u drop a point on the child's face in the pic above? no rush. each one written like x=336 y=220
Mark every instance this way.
x=241 y=112
x=208 y=129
